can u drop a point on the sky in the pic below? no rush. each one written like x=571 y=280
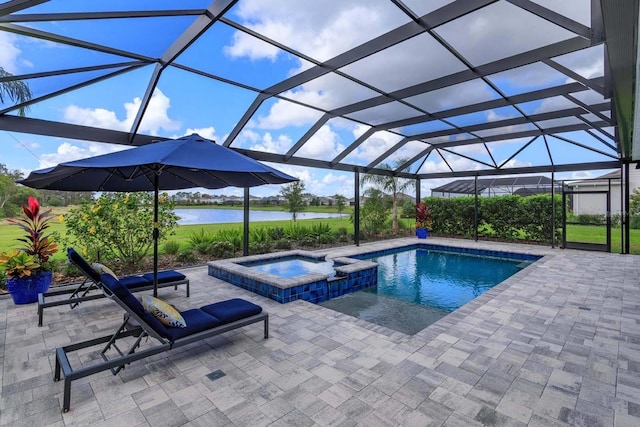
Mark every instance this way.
x=185 y=103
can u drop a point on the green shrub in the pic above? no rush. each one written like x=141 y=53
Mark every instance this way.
x=536 y=221
x=70 y=270
x=276 y=233
x=259 y=247
x=259 y=235
x=322 y=233
x=186 y=256
x=296 y=232
x=504 y=213
x=308 y=241
x=588 y=219
x=54 y=201
x=507 y=217
x=634 y=222
x=119 y=226
x=201 y=239
x=342 y=234
x=235 y=237
x=203 y=248
x=221 y=250
x=171 y=247
x=374 y=212
x=282 y=244
x=408 y=209
x=453 y=216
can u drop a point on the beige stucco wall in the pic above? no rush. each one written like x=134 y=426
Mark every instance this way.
x=595 y=203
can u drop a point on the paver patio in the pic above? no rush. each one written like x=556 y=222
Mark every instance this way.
x=556 y=344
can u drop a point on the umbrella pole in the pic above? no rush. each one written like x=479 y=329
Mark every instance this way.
x=156 y=234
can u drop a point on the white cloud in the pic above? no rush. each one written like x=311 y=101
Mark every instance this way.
x=208 y=132
x=68 y=151
x=10 y=53
x=244 y=45
x=320 y=29
x=155 y=118
x=268 y=144
x=374 y=146
x=324 y=145
x=284 y=113
x=340 y=179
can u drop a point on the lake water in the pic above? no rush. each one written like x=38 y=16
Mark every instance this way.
x=218 y=216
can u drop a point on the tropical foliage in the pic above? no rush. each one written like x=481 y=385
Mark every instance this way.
x=423 y=216
x=15 y=90
x=373 y=213
x=390 y=184
x=38 y=246
x=118 y=227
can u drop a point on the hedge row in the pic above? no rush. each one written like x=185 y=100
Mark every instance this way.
x=506 y=217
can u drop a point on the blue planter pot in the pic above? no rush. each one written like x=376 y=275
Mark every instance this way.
x=25 y=290
x=422 y=233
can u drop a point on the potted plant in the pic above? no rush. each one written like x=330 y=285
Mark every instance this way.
x=27 y=269
x=423 y=220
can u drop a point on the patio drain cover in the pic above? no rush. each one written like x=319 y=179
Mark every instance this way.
x=215 y=375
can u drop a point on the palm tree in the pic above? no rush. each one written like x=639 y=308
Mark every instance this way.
x=390 y=184
x=15 y=90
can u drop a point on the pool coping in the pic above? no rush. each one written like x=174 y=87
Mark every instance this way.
x=235 y=266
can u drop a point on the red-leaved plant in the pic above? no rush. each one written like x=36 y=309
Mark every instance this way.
x=37 y=244
x=423 y=216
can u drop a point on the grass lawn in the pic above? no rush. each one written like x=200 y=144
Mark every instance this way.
x=596 y=234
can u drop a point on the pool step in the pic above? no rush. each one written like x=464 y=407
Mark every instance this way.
x=524 y=264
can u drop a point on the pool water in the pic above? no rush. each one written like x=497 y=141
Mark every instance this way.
x=441 y=280
x=420 y=286
x=292 y=267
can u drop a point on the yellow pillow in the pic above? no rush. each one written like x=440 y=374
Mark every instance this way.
x=103 y=269
x=165 y=313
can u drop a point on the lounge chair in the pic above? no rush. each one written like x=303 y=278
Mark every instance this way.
x=88 y=289
x=201 y=323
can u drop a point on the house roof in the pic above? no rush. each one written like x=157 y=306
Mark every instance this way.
x=467 y=186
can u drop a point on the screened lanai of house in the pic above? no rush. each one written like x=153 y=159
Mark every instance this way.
x=436 y=89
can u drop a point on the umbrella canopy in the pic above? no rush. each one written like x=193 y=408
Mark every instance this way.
x=187 y=162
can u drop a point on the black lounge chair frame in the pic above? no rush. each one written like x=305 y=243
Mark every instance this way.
x=133 y=326
x=83 y=291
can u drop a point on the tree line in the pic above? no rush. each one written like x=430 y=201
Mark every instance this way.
x=13 y=196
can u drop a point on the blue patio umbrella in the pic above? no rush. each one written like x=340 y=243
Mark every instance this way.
x=187 y=162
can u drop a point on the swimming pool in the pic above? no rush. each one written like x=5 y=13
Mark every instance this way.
x=292 y=275
x=295 y=266
x=438 y=279
x=421 y=284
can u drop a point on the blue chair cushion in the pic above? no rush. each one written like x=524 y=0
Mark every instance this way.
x=231 y=310
x=197 y=321
x=135 y=306
x=165 y=276
x=82 y=264
x=132 y=282
x=122 y=293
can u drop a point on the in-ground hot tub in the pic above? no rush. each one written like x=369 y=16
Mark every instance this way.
x=291 y=275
